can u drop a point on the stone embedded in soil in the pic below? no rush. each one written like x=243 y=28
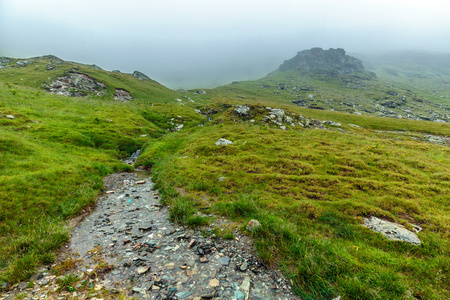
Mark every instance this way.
x=214 y=282
x=170 y=266
x=392 y=231
x=143 y=270
x=224 y=260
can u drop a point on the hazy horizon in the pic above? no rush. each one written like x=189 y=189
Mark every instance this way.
x=203 y=43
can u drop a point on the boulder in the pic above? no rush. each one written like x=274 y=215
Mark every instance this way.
x=4 y=60
x=24 y=63
x=223 y=142
x=140 y=75
x=242 y=110
x=75 y=85
x=332 y=123
x=122 y=95
x=392 y=231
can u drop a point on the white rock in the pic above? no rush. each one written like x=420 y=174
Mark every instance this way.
x=245 y=287
x=392 y=231
x=223 y=142
x=10 y=117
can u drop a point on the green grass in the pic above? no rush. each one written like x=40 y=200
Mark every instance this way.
x=310 y=189
x=53 y=156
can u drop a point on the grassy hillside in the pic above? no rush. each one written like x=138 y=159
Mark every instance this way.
x=54 y=151
x=310 y=189
x=428 y=74
x=309 y=183
x=355 y=93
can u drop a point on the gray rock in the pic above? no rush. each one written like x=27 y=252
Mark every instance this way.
x=122 y=95
x=178 y=128
x=243 y=266
x=136 y=154
x=75 y=85
x=96 y=67
x=392 y=231
x=4 y=60
x=24 y=63
x=238 y=295
x=245 y=287
x=143 y=270
x=140 y=75
x=332 y=123
x=242 y=110
x=1 y=67
x=23 y=285
x=224 y=260
x=201 y=92
x=277 y=115
x=43 y=281
x=223 y=142
x=183 y=295
x=136 y=289
x=435 y=139
x=10 y=117
x=222 y=179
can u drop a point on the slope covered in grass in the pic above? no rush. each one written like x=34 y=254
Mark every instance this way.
x=311 y=189
x=53 y=155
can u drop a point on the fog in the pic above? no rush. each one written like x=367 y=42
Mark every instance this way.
x=205 y=43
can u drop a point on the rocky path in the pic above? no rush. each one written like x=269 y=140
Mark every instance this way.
x=127 y=248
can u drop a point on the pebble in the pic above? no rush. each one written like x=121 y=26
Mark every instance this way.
x=224 y=260
x=143 y=270
x=214 y=282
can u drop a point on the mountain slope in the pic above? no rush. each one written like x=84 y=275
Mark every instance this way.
x=328 y=83
x=310 y=176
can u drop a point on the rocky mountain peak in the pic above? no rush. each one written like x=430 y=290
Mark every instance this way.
x=319 y=61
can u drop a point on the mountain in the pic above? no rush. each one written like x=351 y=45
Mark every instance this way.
x=319 y=61
x=302 y=150
x=332 y=80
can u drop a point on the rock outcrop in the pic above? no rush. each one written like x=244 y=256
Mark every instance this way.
x=76 y=85
x=319 y=61
x=123 y=95
x=140 y=75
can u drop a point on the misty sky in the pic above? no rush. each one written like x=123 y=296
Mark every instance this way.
x=187 y=43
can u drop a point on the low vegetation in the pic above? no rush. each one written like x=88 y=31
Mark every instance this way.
x=311 y=189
